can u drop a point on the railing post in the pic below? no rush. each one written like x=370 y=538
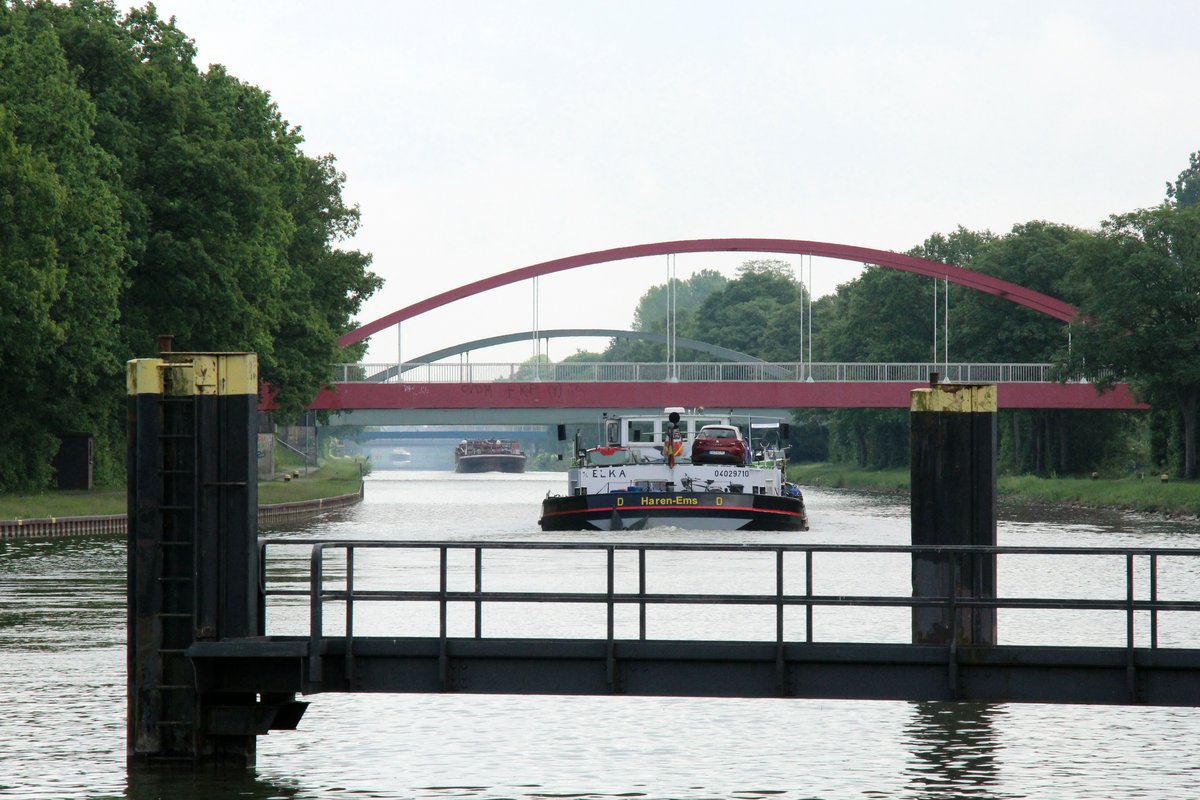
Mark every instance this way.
x=316 y=623
x=1130 y=675
x=779 y=596
x=443 y=654
x=1154 y=600
x=611 y=656
x=641 y=594
x=261 y=624
x=808 y=593
x=478 y=592
x=350 y=616
x=780 y=667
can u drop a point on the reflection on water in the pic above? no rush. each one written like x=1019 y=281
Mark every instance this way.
x=954 y=748
x=146 y=785
x=62 y=691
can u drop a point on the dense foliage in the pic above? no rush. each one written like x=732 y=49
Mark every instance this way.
x=140 y=196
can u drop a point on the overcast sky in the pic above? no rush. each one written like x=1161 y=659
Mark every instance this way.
x=479 y=137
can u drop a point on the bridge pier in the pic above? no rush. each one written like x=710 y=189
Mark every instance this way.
x=192 y=557
x=953 y=497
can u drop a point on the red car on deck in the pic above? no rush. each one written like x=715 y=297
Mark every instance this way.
x=719 y=444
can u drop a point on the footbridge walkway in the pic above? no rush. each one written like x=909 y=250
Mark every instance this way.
x=522 y=392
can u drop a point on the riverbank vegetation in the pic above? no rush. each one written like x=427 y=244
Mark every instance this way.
x=142 y=196
x=332 y=478
x=1142 y=492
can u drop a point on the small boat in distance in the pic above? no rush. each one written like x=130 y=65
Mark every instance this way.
x=489 y=455
x=683 y=469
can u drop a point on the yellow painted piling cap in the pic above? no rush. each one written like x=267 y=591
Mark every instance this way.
x=966 y=398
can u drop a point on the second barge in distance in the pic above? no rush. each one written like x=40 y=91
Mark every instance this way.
x=685 y=470
x=489 y=455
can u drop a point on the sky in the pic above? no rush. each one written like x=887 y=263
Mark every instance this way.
x=481 y=136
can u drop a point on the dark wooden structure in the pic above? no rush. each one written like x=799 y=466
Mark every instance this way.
x=953 y=502
x=192 y=556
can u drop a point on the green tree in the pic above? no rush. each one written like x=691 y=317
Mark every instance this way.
x=883 y=315
x=757 y=313
x=1185 y=190
x=984 y=328
x=1141 y=306
x=79 y=381
x=152 y=199
x=325 y=286
x=651 y=315
x=1036 y=255
x=31 y=282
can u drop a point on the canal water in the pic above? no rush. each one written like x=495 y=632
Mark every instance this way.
x=62 y=673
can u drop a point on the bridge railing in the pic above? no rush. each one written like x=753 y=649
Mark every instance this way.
x=915 y=372
x=445 y=592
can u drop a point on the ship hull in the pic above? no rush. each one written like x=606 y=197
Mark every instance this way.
x=690 y=510
x=491 y=462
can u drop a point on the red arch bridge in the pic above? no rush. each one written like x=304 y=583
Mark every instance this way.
x=440 y=393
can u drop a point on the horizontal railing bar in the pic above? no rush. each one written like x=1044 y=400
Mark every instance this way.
x=756 y=547
x=702 y=371
x=1100 y=604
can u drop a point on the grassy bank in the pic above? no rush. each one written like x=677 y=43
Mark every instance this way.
x=1150 y=495
x=333 y=478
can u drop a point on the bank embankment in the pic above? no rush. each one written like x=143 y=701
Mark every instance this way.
x=1148 y=494
x=287 y=498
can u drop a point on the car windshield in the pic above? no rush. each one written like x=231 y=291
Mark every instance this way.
x=718 y=433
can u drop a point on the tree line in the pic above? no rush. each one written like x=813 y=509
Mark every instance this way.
x=1135 y=280
x=141 y=196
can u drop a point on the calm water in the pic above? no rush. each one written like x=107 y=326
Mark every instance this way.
x=62 y=702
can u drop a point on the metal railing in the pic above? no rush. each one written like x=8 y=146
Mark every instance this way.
x=321 y=590
x=916 y=372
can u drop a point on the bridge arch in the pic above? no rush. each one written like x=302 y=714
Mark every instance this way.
x=391 y=372
x=575 y=333
x=987 y=284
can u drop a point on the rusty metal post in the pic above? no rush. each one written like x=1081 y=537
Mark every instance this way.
x=953 y=472
x=192 y=553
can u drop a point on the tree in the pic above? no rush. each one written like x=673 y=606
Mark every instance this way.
x=757 y=313
x=31 y=282
x=650 y=316
x=78 y=385
x=1185 y=190
x=1141 y=307
x=325 y=286
x=882 y=315
x=142 y=197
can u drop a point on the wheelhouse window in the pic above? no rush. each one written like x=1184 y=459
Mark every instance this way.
x=641 y=431
x=607 y=456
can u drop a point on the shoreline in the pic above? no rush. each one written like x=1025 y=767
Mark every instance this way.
x=268 y=515
x=1171 y=500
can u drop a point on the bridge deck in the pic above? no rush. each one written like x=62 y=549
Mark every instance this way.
x=755 y=385
x=1087 y=675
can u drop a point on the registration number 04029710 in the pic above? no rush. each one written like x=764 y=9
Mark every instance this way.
x=732 y=473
